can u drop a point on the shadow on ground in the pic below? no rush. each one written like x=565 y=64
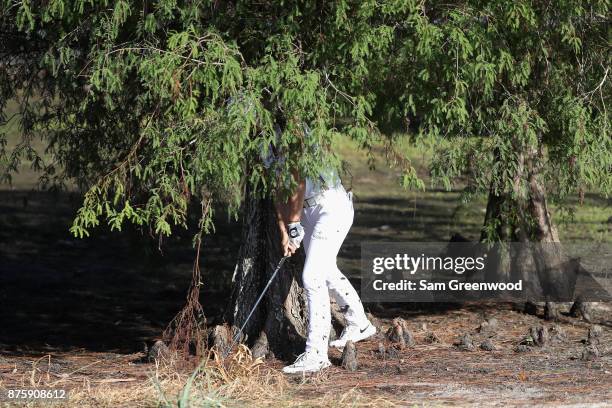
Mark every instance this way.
x=114 y=291
x=110 y=292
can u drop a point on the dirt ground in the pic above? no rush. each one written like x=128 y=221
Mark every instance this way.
x=77 y=315
x=429 y=373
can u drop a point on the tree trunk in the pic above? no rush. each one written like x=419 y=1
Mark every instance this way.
x=278 y=325
x=505 y=222
x=525 y=217
x=548 y=257
x=551 y=257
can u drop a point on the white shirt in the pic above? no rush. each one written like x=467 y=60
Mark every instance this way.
x=328 y=178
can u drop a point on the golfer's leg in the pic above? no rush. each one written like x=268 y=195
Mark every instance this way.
x=317 y=296
x=341 y=289
x=347 y=298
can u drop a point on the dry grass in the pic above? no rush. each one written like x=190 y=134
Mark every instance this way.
x=426 y=374
x=238 y=381
x=242 y=380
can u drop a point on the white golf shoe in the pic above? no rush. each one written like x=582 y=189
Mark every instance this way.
x=354 y=334
x=307 y=363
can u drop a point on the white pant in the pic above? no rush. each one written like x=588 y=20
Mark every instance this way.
x=325 y=226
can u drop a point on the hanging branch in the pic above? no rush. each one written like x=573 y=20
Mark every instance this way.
x=185 y=333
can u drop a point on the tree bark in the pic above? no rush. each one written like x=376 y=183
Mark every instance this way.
x=505 y=219
x=548 y=257
x=525 y=217
x=278 y=325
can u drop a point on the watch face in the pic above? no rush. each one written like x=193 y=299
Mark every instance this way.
x=293 y=233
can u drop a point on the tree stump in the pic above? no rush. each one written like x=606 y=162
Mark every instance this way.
x=487 y=345
x=594 y=334
x=539 y=335
x=590 y=353
x=557 y=333
x=465 y=343
x=375 y=322
x=158 y=351
x=431 y=337
x=221 y=338
x=580 y=308
x=349 y=356
x=400 y=334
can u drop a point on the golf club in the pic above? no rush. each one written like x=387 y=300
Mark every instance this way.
x=263 y=292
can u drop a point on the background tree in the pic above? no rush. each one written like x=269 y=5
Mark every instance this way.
x=513 y=95
x=154 y=106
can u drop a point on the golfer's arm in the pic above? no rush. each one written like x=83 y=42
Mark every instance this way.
x=291 y=210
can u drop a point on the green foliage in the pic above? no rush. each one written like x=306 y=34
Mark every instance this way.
x=153 y=105
x=493 y=80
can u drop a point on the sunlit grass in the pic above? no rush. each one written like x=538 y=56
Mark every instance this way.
x=587 y=220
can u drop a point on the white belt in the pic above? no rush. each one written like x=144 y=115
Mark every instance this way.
x=318 y=198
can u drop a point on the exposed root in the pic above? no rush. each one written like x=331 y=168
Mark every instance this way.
x=185 y=333
x=349 y=356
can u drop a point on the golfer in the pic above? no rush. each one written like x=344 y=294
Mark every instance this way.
x=320 y=214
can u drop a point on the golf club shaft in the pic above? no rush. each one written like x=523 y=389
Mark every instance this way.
x=263 y=292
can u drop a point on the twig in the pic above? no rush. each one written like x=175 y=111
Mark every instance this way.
x=66 y=376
